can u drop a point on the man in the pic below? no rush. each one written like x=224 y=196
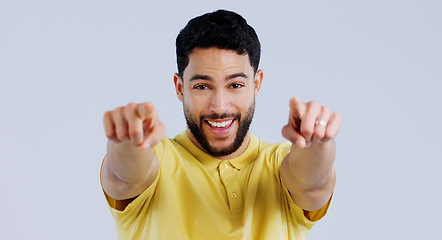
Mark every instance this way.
x=217 y=180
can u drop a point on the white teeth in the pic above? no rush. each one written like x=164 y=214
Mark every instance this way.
x=220 y=124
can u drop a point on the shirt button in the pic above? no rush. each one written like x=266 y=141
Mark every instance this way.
x=233 y=195
x=226 y=166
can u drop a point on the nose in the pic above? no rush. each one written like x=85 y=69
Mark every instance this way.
x=220 y=102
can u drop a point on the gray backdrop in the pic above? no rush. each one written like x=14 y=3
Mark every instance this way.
x=377 y=63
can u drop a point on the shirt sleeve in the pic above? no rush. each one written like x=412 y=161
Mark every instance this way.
x=125 y=212
x=297 y=215
x=301 y=215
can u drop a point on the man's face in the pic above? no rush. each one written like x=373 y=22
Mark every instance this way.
x=218 y=91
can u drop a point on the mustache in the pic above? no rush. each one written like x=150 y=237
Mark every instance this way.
x=220 y=116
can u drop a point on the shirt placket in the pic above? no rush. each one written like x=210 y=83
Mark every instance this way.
x=233 y=190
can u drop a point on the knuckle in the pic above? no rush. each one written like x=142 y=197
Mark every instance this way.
x=329 y=135
x=337 y=116
x=284 y=131
x=148 y=105
x=135 y=132
x=145 y=109
x=131 y=105
x=107 y=114
x=129 y=108
x=121 y=133
x=107 y=118
x=118 y=111
x=335 y=119
x=295 y=102
x=313 y=104
x=162 y=128
x=110 y=134
x=306 y=131
x=318 y=134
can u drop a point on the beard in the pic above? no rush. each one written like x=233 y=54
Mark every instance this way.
x=196 y=128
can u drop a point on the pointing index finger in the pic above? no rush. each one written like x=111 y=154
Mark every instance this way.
x=297 y=108
x=146 y=111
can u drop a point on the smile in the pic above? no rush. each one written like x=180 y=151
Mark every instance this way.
x=220 y=124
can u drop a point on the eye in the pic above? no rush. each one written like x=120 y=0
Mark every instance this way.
x=201 y=87
x=236 y=85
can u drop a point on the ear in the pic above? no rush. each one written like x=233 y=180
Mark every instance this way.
x=178 y=86
x=258 y=81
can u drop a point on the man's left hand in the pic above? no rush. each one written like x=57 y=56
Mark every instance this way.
x=310 y=122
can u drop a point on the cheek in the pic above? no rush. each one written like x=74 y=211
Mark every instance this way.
x=250 y=102
x=194 y=104
x=247 y=99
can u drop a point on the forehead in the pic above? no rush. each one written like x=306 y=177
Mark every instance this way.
x=215 y=59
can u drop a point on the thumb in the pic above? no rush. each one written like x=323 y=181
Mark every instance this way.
x=289 y=133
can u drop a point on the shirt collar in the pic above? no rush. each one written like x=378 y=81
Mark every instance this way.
x=210 y=162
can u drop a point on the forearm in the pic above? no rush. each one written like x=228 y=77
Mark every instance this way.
x=127 y=163
x=127 y=171
x=311 y=167
x=309 y=175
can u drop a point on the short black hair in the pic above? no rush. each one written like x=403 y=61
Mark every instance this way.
x=222 y=29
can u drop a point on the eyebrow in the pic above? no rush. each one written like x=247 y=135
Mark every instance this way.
x=236 y=75
x=208 y=78
x=200 y=77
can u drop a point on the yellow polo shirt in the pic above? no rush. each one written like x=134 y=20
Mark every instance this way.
x=197 y=196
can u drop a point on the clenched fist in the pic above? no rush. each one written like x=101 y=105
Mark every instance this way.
x=137 y=123
x=310 y=122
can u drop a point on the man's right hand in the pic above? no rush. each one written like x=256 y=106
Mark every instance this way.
x=137 y=123
x=131 y=165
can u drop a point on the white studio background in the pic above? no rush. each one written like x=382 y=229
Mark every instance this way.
x=377 y=63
